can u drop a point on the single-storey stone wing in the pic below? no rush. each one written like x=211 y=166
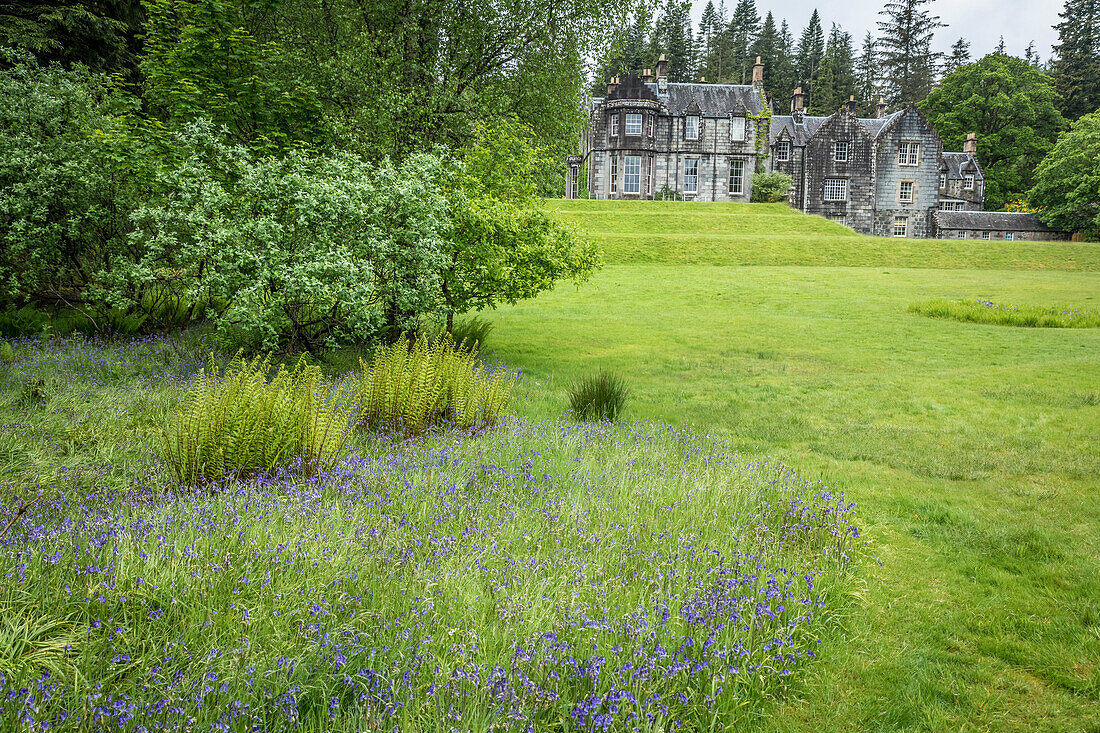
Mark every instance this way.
x=993 y=225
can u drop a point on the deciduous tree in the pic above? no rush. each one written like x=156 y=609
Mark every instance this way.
x=1067 y=181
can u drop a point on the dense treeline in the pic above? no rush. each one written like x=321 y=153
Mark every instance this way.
x=305 y=172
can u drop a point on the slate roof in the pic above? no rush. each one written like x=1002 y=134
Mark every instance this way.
x=954 y=163
x=990 y=220
x=714 y=100
x=799 y=134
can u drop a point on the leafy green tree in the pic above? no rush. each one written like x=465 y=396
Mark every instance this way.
x=1076 y=66
x=811 y=53
x=1011 y=107
x=501 y=247
x=905 y=46
x=1067 y=181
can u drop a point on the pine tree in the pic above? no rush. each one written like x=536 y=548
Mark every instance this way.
x=1076 y=66
x=768 y=47
x=785 y=75
x=811 y=51
x=629 y=55
x=743 y=29
x=908 y=62
x=1000 y=48
x=838 y=78
x=867 y=77
x=709 y=28
x=1031 y=56
x=959 y=56
x=673 y=37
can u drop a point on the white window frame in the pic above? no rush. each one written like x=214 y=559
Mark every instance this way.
x=649 y=124
x=831 y=186
x=614 y=173
x=968 y=182
x=738 y=124
x=783 y=151
x=737 y=183
x=630 y=118
x=613 y=125
x=908 y=153
x=943 y=180
x=985 y=235
x=691 y=127
x=635 y=177
x=649 y=166
x=691 y=180
x=838 y=147
x=912 y=192
x=903 y=221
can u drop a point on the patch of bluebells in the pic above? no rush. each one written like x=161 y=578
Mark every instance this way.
x=613 y=576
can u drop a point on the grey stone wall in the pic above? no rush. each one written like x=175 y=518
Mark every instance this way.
x=857 y=210
x=910 y=126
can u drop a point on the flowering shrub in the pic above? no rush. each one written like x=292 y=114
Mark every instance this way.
x=986 y=311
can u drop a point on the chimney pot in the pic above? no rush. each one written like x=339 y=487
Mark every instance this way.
x=662 y=66
x=880 y=108
x=970 y=146
x=758 y=74
x=852 y=103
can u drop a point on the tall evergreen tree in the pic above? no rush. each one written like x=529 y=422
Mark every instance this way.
x=673 y=37
x=838 y=78
x=785 y=74
x=1031 y=55
x=743 y=29
x=705 y=41
x=908 y=62
x=1000 y=47
x=867 y=76
x=630 y=53
x=811 y=52
x=768 y=47
x=1076 y=67
x=959 y=56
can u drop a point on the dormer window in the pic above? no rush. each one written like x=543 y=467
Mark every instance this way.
x=840 y=151
x=614 y=125
x=737 y=128
x=783 y=151
x=633 y=123
x=691 y=127
x=968 y=181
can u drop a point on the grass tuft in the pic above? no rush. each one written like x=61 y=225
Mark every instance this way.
x=472 y=332
x=599 y=397
x=998 y=314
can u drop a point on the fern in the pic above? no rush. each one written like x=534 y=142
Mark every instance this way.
x=239 y=424
x=413 y=385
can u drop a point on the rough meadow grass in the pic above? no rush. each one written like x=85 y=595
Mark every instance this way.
x=1003 y=314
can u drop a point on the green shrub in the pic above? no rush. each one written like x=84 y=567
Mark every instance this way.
x=600 y=397
x=240 y=424
x=999 y=314
x=412 y=385
x=768 y=188
x=667 y=194
x=25 y=321
x=472 y=332
x=7 y=352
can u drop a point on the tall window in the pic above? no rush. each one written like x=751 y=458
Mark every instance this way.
x=614 y=173
x=836 y=189
x=901 y=226
x=737 y=177
x=907 y=153
x=649 y=174
x=649 y=124
x=840 y=151
x=633 y=124
x=632 y=174
x=614 y=124
x=968 y=182
x=943 y=180
x=783 y=151
x=691 y=127
x=737 y=128
x=691 y=175
x=906 y=196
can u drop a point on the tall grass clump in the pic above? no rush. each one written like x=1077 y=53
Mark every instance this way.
x=472 y=332
x=411 y=386
x=999 y=314
x=599 y=397
x=240 y=424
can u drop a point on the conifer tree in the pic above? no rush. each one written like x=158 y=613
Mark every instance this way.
x=768 y=47
x=1000 y=47
x=811 y=51
x=705 y=41
x=1031 y=56
x=743 y=29
x=673 y=37
x=908 y=62
x=1076 y=67
x=838 y=79
x=867 y=77
x=785 y=75
x=959 y=56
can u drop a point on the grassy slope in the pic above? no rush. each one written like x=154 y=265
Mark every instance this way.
x=970 y=448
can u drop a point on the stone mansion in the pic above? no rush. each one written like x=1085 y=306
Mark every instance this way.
x=886 y=175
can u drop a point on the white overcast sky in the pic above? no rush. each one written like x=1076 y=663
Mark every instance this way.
x=982 y=22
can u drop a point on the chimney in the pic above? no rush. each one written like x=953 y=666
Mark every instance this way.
x=758 y=74
x=647 y=76
x=880 y=108
x=970 y=146
x=702 y=80
x=852 y=104
x=662 y=67
x=796 y=100
x=612 y=85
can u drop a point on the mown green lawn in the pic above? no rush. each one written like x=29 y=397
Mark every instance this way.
x=972 y=450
